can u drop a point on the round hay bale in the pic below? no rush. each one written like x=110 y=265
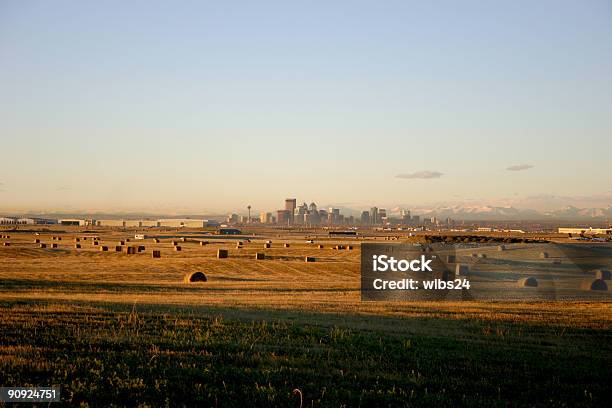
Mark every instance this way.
x=7 y=244
x=543 y=255
x=321 y=247
x=268 y=242
x=222 y=253
x=177 y=248
x=528 y=282
x=603 y=274
x=202 y=243
x=77 y=240
x=53 y=245
x=121 y=243
x=43 y=245
x=77 y=246
x=195 y=277
x=156 y=254
x=37 y=241
x=104 y=248
x=266 y=245
x=349 y=247
x=309 y=259
x=286 y=245
x=259 y=256
x=118 y=248
x=594 y=284
x=501 y=248
x=462 y=270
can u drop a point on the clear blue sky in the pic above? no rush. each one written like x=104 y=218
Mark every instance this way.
x=209 y=106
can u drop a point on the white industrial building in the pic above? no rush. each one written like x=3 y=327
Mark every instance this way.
x=182 y=222
x=585 y=231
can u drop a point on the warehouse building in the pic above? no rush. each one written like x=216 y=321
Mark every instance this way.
x=585 y=231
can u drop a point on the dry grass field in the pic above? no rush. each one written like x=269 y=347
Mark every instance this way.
x=118 y=329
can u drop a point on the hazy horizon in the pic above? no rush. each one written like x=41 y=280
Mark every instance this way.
x=206 y=107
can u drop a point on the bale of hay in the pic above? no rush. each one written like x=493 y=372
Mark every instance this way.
x=528 y=282
x=222 y=253
x=141 y=248
x=7 y=244
x=603 y=274
x=238 y=246
x=121 y=243
x=156 y=254
x=286 y=245
x=104 y=248
x=155 y=240
x=174 y=243
x=127 y=240
x=462 y=270
x=309 y=259
x=349 y=247
x=130 y=250
x=451 y=259
x=501 y=248
x=260 y=255
x=594 y=284
x=483 y=256
x=177 y=248
x=543 y=255
x=266 y=245
x=94 y=243
x=321 y=247
x=77 y=240
x=118 y=248
x=53 y=245
x=183 y=239
x=43 y=245
x=84 y=238
x=37 y=241
x=195 y=277
x=77 y=246
x=202 y=243
x=268 y=242
x=59 y=238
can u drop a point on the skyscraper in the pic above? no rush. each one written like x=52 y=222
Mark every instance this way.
x=374 y=215
x=290 y=204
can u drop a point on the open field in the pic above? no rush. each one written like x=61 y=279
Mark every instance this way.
x=112 y=327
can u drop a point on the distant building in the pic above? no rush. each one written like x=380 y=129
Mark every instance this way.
x=182 y=223
x=284 y=217
x=232 y=219
x=365 y=218
x=586 y=231
x=374 y=215
x=75 y=222
x=265 y=218
x=290 y=205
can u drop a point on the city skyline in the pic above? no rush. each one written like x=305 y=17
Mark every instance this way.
x=204 y=106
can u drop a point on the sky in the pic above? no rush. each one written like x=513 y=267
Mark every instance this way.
x=209 y=106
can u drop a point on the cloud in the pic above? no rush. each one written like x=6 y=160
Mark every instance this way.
x=426 y=174
x=519 y=167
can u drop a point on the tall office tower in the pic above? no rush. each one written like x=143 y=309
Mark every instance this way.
x=284 y=217
x=374 y=215
x=290 y=204
x=365 y=218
